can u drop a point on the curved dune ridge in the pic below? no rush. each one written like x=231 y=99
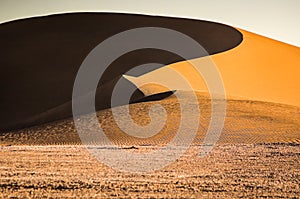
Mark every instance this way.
x=40 y=57
x=258 y=69
x=246 y=122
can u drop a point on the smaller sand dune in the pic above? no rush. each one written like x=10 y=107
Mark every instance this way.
x=246 y=122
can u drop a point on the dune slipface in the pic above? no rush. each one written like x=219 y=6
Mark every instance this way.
x=40 y=58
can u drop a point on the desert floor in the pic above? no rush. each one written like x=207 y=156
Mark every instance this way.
x=257 y=155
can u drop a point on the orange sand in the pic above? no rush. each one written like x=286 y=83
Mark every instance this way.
x=261 y=69
x=258 y=69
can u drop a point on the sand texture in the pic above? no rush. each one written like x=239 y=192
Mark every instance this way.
x=230 y=171
x=257 y=156
x=246 y=122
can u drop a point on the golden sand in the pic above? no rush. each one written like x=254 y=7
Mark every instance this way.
x=258 y=69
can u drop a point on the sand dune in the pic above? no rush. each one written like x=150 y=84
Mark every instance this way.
x=40 y=56
x=258 y=68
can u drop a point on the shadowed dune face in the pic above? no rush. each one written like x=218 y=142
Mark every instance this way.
x=40 y=58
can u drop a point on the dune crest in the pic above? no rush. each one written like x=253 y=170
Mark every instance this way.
x=258 y=69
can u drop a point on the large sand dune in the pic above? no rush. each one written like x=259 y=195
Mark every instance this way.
x=40 y=57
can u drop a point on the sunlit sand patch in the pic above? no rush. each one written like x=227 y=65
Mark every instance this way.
x=246 y=122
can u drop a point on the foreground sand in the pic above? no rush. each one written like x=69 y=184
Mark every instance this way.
x=230 y=171
x=257 y=154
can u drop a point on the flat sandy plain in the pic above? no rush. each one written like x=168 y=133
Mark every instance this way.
x=257 y=155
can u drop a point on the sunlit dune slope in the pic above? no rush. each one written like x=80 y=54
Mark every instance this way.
x=262 y=69
x=259 y=69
